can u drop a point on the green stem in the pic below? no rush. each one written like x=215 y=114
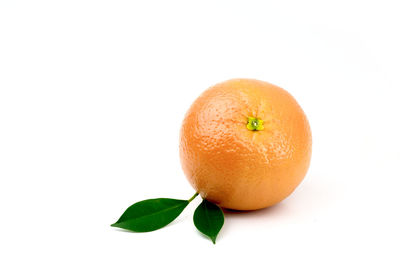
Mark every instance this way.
x=193 y=197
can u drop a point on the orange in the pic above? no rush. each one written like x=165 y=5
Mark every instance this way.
x=245 y=144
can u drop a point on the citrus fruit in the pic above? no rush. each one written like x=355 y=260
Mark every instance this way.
x=245 y=144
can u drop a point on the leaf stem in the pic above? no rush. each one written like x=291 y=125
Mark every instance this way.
x=193 y=197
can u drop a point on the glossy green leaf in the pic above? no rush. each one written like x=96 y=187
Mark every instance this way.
x=208 y=219
x=151 y=214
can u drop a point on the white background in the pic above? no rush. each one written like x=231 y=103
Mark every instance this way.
x=92 y=95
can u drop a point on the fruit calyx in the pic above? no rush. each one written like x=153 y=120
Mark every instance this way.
x=255 y=124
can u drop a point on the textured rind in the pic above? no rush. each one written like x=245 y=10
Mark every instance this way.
x=237 y=168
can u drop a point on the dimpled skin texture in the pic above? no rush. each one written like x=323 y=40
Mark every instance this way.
x=238 y=168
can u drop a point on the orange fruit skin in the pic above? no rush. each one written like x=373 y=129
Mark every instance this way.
x=233 y=166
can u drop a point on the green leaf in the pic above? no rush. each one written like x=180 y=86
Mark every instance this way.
x=151 y=214
x=208 y=219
